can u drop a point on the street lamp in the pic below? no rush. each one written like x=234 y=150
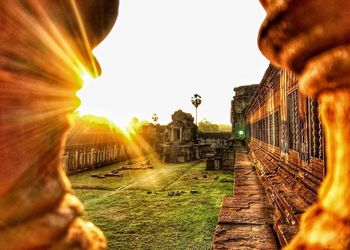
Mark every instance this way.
x=196 y=101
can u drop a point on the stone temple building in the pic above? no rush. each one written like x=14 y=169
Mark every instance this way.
x=181 y=139
x=239 y=104
x=182 y=129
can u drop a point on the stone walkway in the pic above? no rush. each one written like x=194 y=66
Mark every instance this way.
x=245 y=220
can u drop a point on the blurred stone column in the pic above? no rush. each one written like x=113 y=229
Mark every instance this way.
x=311 y=38
x=45 y=49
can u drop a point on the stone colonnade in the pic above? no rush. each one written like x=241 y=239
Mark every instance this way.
x=78 y=158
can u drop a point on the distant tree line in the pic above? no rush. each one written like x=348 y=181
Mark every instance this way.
x=207 y=126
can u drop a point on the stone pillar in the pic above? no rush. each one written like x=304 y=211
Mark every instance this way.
x=65 y=162
x=92 y=160
x=312 y=39
x=45 y=48
x=172 y=134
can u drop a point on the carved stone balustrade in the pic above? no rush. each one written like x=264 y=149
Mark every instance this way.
x=45 y=48
x=312 y=39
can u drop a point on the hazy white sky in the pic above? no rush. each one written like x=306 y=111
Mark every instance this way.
x=161 y=52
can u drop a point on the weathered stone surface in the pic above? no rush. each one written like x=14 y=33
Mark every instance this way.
x=244 y=237
x=46 y=48
x=241 y=100
x=238 y=215
x=245 y=220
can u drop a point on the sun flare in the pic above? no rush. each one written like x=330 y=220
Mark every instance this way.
x=92 y=98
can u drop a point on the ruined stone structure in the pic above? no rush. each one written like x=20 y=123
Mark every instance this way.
x=215 y=139
x=287 y=147
x=182 y=128
x=221 y=158
x=181 y=139
x=221 y=155
x=46 y=48
x=241 y=100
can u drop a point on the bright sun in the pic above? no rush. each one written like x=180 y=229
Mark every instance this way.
x=93 y=101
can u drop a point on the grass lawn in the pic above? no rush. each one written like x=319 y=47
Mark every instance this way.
x=135 y=211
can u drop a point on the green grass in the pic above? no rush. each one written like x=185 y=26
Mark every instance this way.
x=133 y=219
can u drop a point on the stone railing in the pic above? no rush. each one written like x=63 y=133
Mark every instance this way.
x=45 y=49
x=311 y=38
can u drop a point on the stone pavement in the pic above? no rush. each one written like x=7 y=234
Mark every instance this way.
x=245 y=220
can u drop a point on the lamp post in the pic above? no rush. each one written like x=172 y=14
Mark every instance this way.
x=196 y=101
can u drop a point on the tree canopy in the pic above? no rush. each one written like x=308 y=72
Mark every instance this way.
x=207 y=126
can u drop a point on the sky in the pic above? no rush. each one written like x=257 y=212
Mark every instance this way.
x=162 y=52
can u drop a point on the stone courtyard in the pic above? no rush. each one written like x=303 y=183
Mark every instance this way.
x=172 y=205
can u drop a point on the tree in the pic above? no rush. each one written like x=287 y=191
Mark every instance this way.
x=225 y=127
x=196 y=101
x=207 y=126
x=136 y=125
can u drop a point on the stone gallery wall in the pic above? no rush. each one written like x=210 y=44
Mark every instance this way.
x=78 y=158
x=95 y=142
x=287 y=148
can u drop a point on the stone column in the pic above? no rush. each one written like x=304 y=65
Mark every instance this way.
x=92 y=159
x=172 y=134
x=312 y=38
x=65 y=162
x=45 y=48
